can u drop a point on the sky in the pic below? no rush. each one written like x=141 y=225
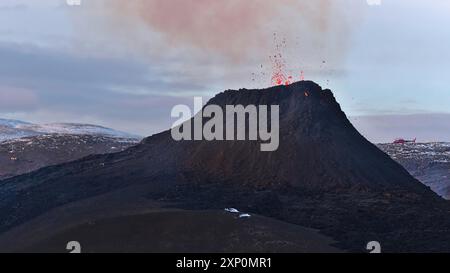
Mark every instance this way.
x=125 y=64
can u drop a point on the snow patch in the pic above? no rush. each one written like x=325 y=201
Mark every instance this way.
x=232 y=210
x=14 y=129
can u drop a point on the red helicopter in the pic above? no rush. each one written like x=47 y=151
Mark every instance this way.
x=403 y=141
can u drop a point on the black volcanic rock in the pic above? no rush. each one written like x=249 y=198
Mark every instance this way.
x=200 y=232
x=324 y=175
x=319 y=148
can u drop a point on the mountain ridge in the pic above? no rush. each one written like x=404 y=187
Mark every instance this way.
x=324 y=175
x=15 y=129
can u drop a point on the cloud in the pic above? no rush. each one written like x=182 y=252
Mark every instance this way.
x=52 y=86
x=226 y=30
x=13 y=99
x=12 y=6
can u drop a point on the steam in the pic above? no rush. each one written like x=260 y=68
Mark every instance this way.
x=235 y=28
x=227 y=32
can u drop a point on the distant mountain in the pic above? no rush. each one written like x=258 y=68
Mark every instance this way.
x=12 y=122
x=428 y=162
x=13 y=129
x=324 y=175
x=25 y=147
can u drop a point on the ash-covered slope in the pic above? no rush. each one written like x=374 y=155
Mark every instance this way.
x=319 y=148
x=324 y=175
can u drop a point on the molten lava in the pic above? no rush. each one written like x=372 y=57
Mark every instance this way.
x=279 y=74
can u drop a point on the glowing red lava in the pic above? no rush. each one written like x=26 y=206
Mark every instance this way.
x=279 y=74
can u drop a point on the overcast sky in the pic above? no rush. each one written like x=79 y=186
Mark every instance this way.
x=125 y=65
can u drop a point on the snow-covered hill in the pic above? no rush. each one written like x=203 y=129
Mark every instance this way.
x=25 y=147
x=428 y=162
x=11 y=122
x=14 y=129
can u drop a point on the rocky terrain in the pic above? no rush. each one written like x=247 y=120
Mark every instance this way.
x=26 y=147
x=428 y=162
x=324 y=176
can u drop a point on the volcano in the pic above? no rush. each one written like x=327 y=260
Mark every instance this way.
x=324 y=175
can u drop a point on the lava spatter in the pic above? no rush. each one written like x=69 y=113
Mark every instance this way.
x=279 y=74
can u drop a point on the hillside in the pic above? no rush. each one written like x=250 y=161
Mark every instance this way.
x=324 y=175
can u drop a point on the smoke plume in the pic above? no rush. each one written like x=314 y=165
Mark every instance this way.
x=236 y=28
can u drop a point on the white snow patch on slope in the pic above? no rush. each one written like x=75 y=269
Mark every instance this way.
x=14 y=129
